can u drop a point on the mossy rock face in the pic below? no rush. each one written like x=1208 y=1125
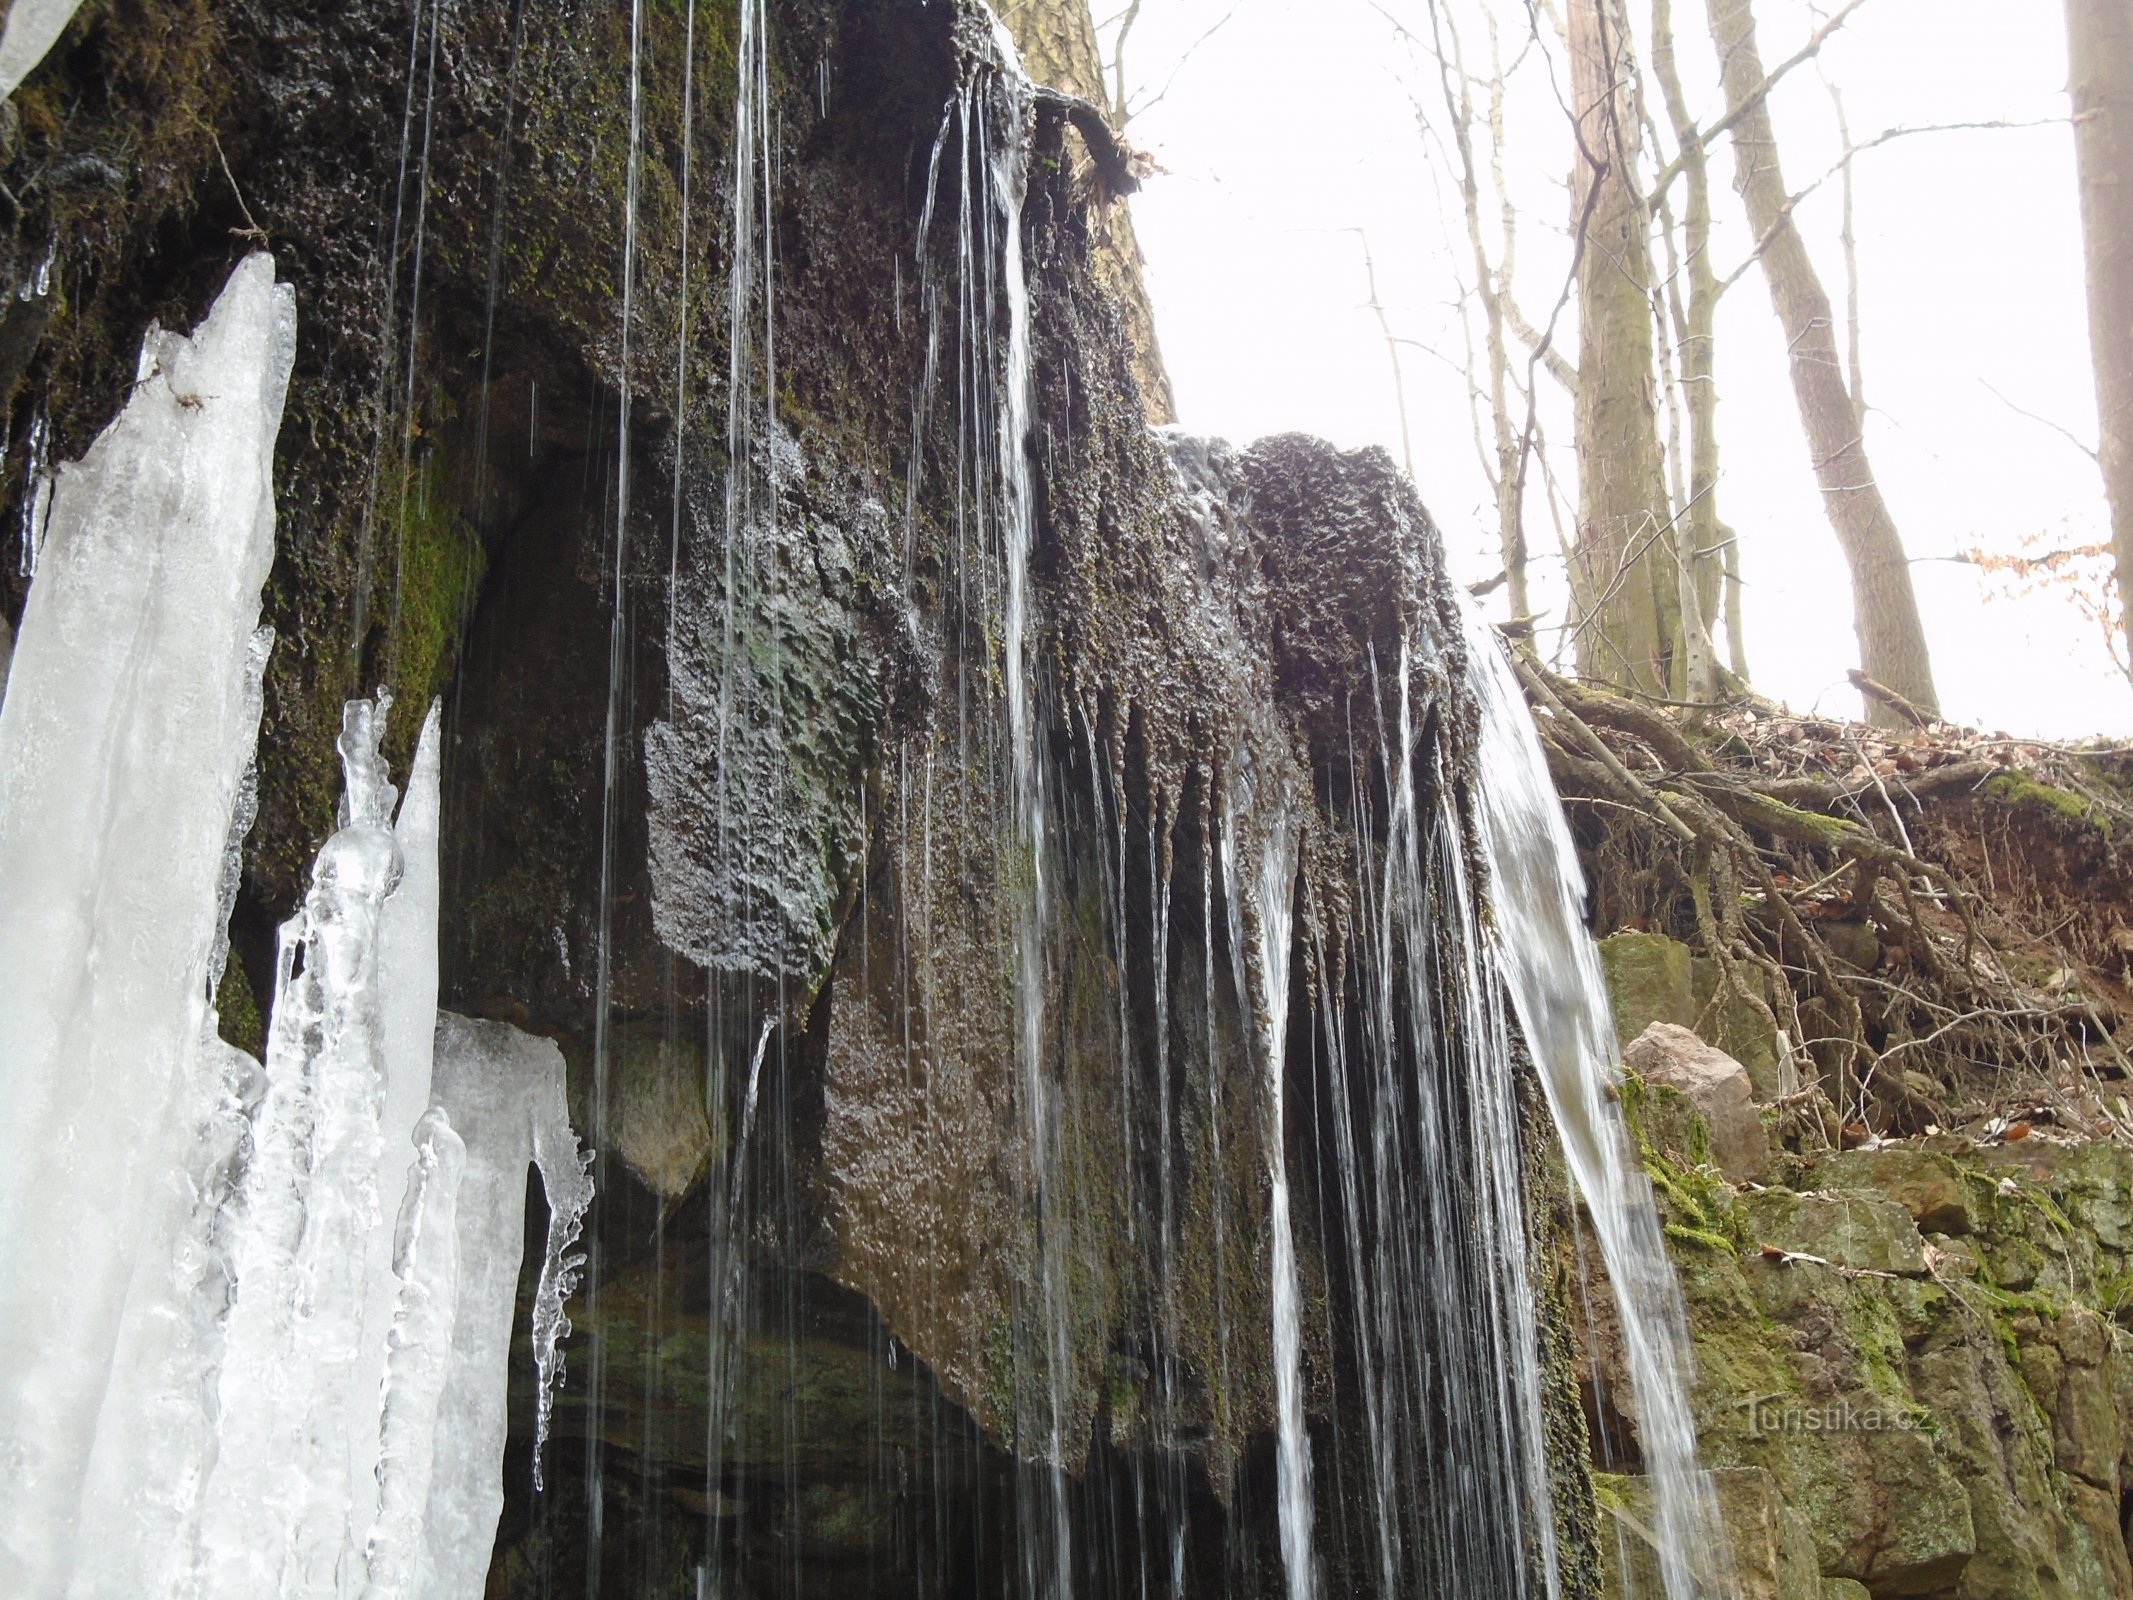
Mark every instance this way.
x=1856 y=1231
x=1650 y=978
x=1950 y=1415
x=1939 y=1195
x=1773 y=1551
x=1739 y=1028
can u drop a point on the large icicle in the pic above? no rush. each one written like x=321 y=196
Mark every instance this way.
x=407 y=999
x=504 y=1090
x=279 y=1499
x=33 y=27
x=123 y=743
x=427 y=1262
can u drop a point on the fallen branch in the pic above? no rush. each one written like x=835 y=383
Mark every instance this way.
x=1890 y=698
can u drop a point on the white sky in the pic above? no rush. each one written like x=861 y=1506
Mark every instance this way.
x=1292 y=126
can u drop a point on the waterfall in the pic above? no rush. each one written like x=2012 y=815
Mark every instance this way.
x=1552 y=968
x=1261 y=909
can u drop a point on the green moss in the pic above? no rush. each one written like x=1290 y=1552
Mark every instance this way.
x=439 y=563
x=237 y=1010
x=2019 y=788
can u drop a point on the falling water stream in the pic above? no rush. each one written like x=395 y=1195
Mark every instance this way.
x=1552 y=969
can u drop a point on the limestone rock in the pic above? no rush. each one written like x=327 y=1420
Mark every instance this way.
x=1925 y=1183
x=1737 y=1027
x=657 y=1120
x=1859 y=1231
x=1718 y=1087
x=1773 y=1547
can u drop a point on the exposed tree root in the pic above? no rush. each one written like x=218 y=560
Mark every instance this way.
x=1935 y=923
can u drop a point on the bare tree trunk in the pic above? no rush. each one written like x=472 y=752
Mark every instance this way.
x=1706 y=536
x=2099 y=46
x=1892 y=640
x=1501 y=459
x=1057 y=39
x=1623 y=580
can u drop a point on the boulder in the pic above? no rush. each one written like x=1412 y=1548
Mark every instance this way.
x=1925 y=1183
x=1716 y=1085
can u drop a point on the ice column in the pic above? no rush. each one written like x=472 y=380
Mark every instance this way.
x=505 y=1094
x=123 y=743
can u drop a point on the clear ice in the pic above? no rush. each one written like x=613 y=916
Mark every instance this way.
x=124 y=739
x=255 y=1327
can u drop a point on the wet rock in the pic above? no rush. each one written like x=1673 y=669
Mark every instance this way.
x=1773 y=1548
x=1716 y=1085
x=658 y=1122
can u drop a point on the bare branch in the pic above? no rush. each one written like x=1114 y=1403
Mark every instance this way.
x=1886 y=136
x=1178 y=66
x=1127 y=19
x=1702 y=138
x=2060 y=429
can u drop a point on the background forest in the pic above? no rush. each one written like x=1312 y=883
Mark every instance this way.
x=1903 y=178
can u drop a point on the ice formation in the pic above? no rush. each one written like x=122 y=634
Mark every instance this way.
x=124 y=739
x=33 y=27
x=239 y=1357
x=505 y=1091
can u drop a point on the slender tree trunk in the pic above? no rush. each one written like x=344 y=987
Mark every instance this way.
x=1623 y=580
x=1057 y=39
x=1892 y=640
x=1502 y=457
x=1706 y=536
x=2099 y=45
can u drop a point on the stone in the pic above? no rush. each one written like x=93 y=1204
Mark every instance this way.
x=1844 y=1589
x=657 y=1120
x=1773 y=1547
x=1717 y=1086
x=1925 y=1183
x=1864 y=1232
x=1650 y=978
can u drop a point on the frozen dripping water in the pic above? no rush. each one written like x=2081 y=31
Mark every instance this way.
x=123 y=742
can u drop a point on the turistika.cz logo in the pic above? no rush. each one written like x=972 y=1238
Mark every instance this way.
x=1777 y=1414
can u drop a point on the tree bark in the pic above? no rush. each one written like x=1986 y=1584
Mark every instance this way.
x=2099 y=45
x=1057 y=40
x=1704 y=534
x=1623 y=579
x=1892 y=639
